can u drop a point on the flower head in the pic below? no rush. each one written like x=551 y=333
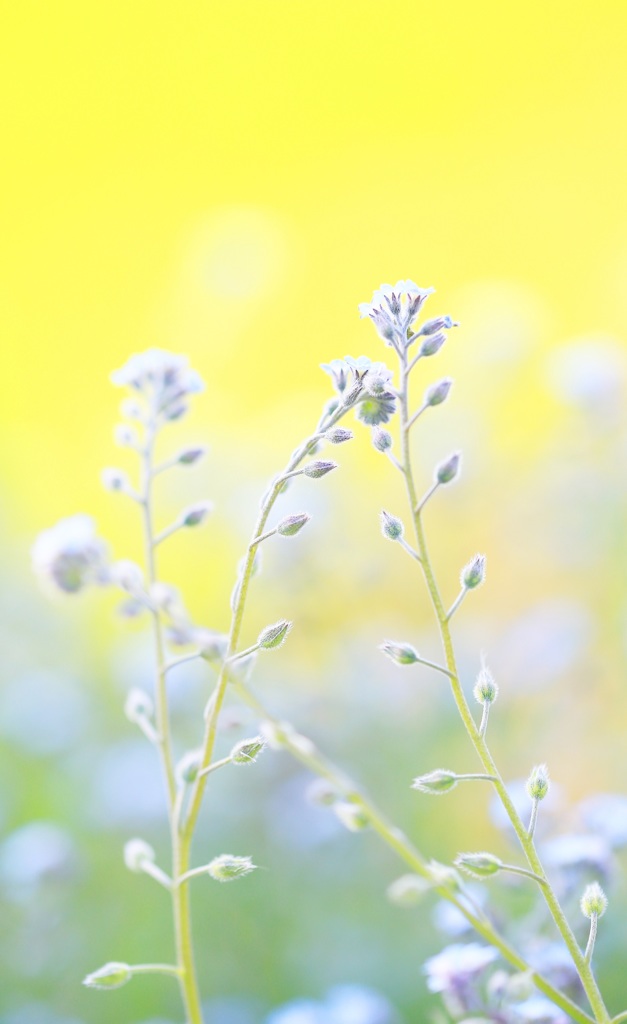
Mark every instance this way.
x=164 y=378
x=393 y=308
x=593 y=901
x=338 y=372
x=457 y=965
x=69 y=554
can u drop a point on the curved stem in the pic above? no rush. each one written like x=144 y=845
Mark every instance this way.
x=478 y=741
x=155 y=969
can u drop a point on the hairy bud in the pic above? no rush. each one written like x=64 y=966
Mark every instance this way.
x=381 y=439
x=274 y=636
x=594 y=901
x=391 y=527
x=227 y=868
x=112 y=975
x=137 y=853
x=318 y=468
x=196 y=514
x=338 y=435
x=247 y=751
x=400 y=654
x=407 y=890
x=188 y=767
x=473 y=573
x=352 y=816
x=138 y=705
x=438 y=393
x=190 y=456
x=538 y=782
x=432 y=344
x=293 y=524
x=436 y=782
x=448 y=469
x=438 y=323
x=485 y=690
x=114 y=479
x=479 y=865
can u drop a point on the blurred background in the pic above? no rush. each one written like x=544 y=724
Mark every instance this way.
x=229 y=181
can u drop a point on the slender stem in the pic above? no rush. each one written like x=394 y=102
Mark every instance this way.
x=620 y=1018
x=408 y=548
x=594 y=921
x=243 y=654
x=307 y=754
x=395 y=462
x=524 y=871
x=423 y=501
x=216 y=764
x=485 y=714
x=192 y=873
x=167 y=532
x=410 y=422
x=182 y=660
x=433 y=664
x=180 y=854
x=534 y=818
x=583 y=968
x=456 y=603
x=155 y=969
x=264 y=536
x=478 y=776
x=155 y=872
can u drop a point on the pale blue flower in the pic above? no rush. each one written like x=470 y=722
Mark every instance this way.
x=538 y=1010
x=163 y=377
x=457 y=965
x=606 y=815
x=69 y=554
x=577 y=854
x=338 y=372
x=393 y=308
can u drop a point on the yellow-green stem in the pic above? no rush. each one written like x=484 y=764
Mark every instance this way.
x=583 y=968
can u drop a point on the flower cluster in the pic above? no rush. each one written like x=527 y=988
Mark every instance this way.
x=163 y=378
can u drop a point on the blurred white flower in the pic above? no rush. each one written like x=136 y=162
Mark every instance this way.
x=163 y=377
x=457 y=965
x=393 y=308
x=606 y=815
x=69 y=554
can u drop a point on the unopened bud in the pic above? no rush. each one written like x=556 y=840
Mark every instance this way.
x=381 y=439
x=188 y=767
x=352 y=816
x=407 y=890
x=432 y=344
x=473 y=574
x=438 y=323
x=125 y=436
x=337 y=435
x=274 y=636
x=538 y=782
x=196 y=514
x=318 y=468
x=352 y=393
x=114 y=479
x=479 y=865
x=137 y=853
x=436 y=782
x=438 y=393
x=391 y=527
x=321 y=793
x=227 y=868
x=292 y=525
x=138 y=706
x=448 y=469
x=485 y=690
x=247 y=751
x=112 y=975
x=190 y=456
x=593 y=901
x=400 y=654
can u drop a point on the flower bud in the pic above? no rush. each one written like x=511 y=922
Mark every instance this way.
x=127 y=575
x=337 y=435
x=292 y=525
x=352 y=816
x=352 y=393
x=274 y=636
x=448 y=469
x=381 y=439
x=190 y=456
x=188 y=767
x=137 y=853
x=436 y=782
x=227 y=868
x=114 y=479
x=538 y=782
x=407 y=890
x=196 y=514
x=247 y=751
x=485 y=690
x=473 y=573
x=593 y=901
x=438 y=393
x=438 y=323
x=131 y=409
x=321 y=793
x=125 y=436
x=400 y=654
x=391 y=527
x=318 y=468
x=432 y=344
x=479 y=865
x=138 y=705
x=112 y=975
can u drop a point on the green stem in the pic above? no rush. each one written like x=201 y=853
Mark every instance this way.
x=308 y=755
x=583 y=968
x=155 y=969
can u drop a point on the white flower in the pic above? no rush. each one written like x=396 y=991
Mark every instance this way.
x=393 y=308
x=69 y=554
x=457 y=964
x=162 y=376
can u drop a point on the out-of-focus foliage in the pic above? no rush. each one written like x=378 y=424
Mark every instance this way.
x=230 y=180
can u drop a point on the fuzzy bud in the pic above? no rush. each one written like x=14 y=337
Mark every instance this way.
x=318 y=468
x=381 y=439
x=137 y=853
x=438 y=393
x=400 y=654
x=391 y=527
x=473 y=573
x=594 y=901
x=485 y=690
x=190 y=456
x=479 y=865
x=188 y=767
x=138 y=706
x=432 y=344
x=227 y=868
x=538 y=782
x=292 y=525
x=114 y=480
x=274 y=636
x=438 y=323
x=338 y=435
x=448 y=469
x=436 y=782
x=247 y=751
x=196 y=514
x=407 y=890
x=352 y=816
x=112 y=975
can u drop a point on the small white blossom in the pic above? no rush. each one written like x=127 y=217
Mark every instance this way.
x=163 y=377
x=457 y=964
x=69 y=554
x=393 y=308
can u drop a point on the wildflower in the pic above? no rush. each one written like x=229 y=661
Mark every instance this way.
x=69 y=554
x=377 y=379
x=377 y=409
x=164 y=378
x=227 y=868
x=338 y=372
x=393 y=309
